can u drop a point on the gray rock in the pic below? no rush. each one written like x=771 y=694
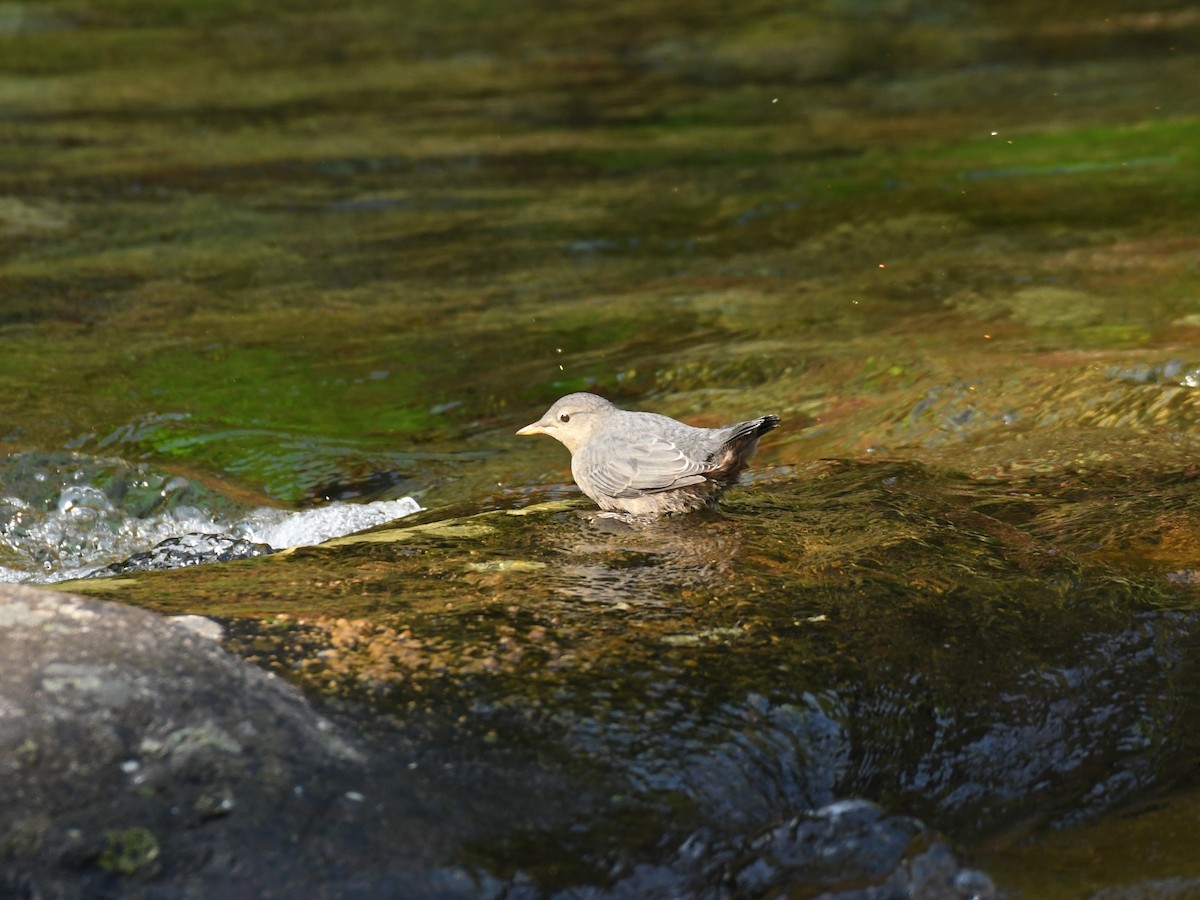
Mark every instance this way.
x=187 y=550
x=139 y=759
x=201 y=625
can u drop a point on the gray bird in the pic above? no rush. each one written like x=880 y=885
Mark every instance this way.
x=644 y=464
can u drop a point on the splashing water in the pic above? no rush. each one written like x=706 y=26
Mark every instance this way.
x=281 y=528
x=67 y=515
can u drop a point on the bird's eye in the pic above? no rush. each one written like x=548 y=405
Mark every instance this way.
x=564 y=417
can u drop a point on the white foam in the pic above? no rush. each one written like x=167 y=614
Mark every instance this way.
x=85 y=532
x=282 y=529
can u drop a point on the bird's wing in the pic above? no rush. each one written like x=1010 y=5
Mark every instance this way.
x=644 y=466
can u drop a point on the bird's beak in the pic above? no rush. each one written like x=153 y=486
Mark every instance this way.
x=535 y=428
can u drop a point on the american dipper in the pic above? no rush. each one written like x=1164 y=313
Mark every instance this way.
x=644 y=464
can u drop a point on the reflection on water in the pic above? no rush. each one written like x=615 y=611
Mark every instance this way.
x=636 y=567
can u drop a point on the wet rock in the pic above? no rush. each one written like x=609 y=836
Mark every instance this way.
x=188 y=550
x=1172 y=372
x=851 y=850
x=201 y=625
x=140 y=760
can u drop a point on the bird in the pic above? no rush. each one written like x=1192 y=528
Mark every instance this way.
x=645 y=465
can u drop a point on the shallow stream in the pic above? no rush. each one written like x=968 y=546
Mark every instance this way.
x=279 y=275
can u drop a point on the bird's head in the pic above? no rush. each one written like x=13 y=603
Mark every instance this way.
x=573 y=419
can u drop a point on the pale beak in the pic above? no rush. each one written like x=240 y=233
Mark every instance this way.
x=535 y=428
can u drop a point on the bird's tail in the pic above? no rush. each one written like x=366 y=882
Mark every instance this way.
x=755 y=427
x=765 y=424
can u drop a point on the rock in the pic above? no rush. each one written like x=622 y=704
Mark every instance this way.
x=138 y=758
x=849 y=850
x=201 y=625
x=187 y=550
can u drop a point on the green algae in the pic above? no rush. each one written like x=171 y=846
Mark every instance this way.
x=128 y=851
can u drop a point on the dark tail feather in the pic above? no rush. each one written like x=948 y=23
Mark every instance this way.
x=755 y=427
x=765 y=424
x=739 y=446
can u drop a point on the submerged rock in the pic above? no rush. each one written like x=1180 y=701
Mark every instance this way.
x=188 y=550
x=850 y=850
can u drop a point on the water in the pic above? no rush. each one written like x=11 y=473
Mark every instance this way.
x=65 y=516
x=255 y=266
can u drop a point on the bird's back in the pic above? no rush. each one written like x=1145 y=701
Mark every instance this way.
x=647 y=464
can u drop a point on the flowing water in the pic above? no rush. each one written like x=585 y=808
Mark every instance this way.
x=280 y=275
